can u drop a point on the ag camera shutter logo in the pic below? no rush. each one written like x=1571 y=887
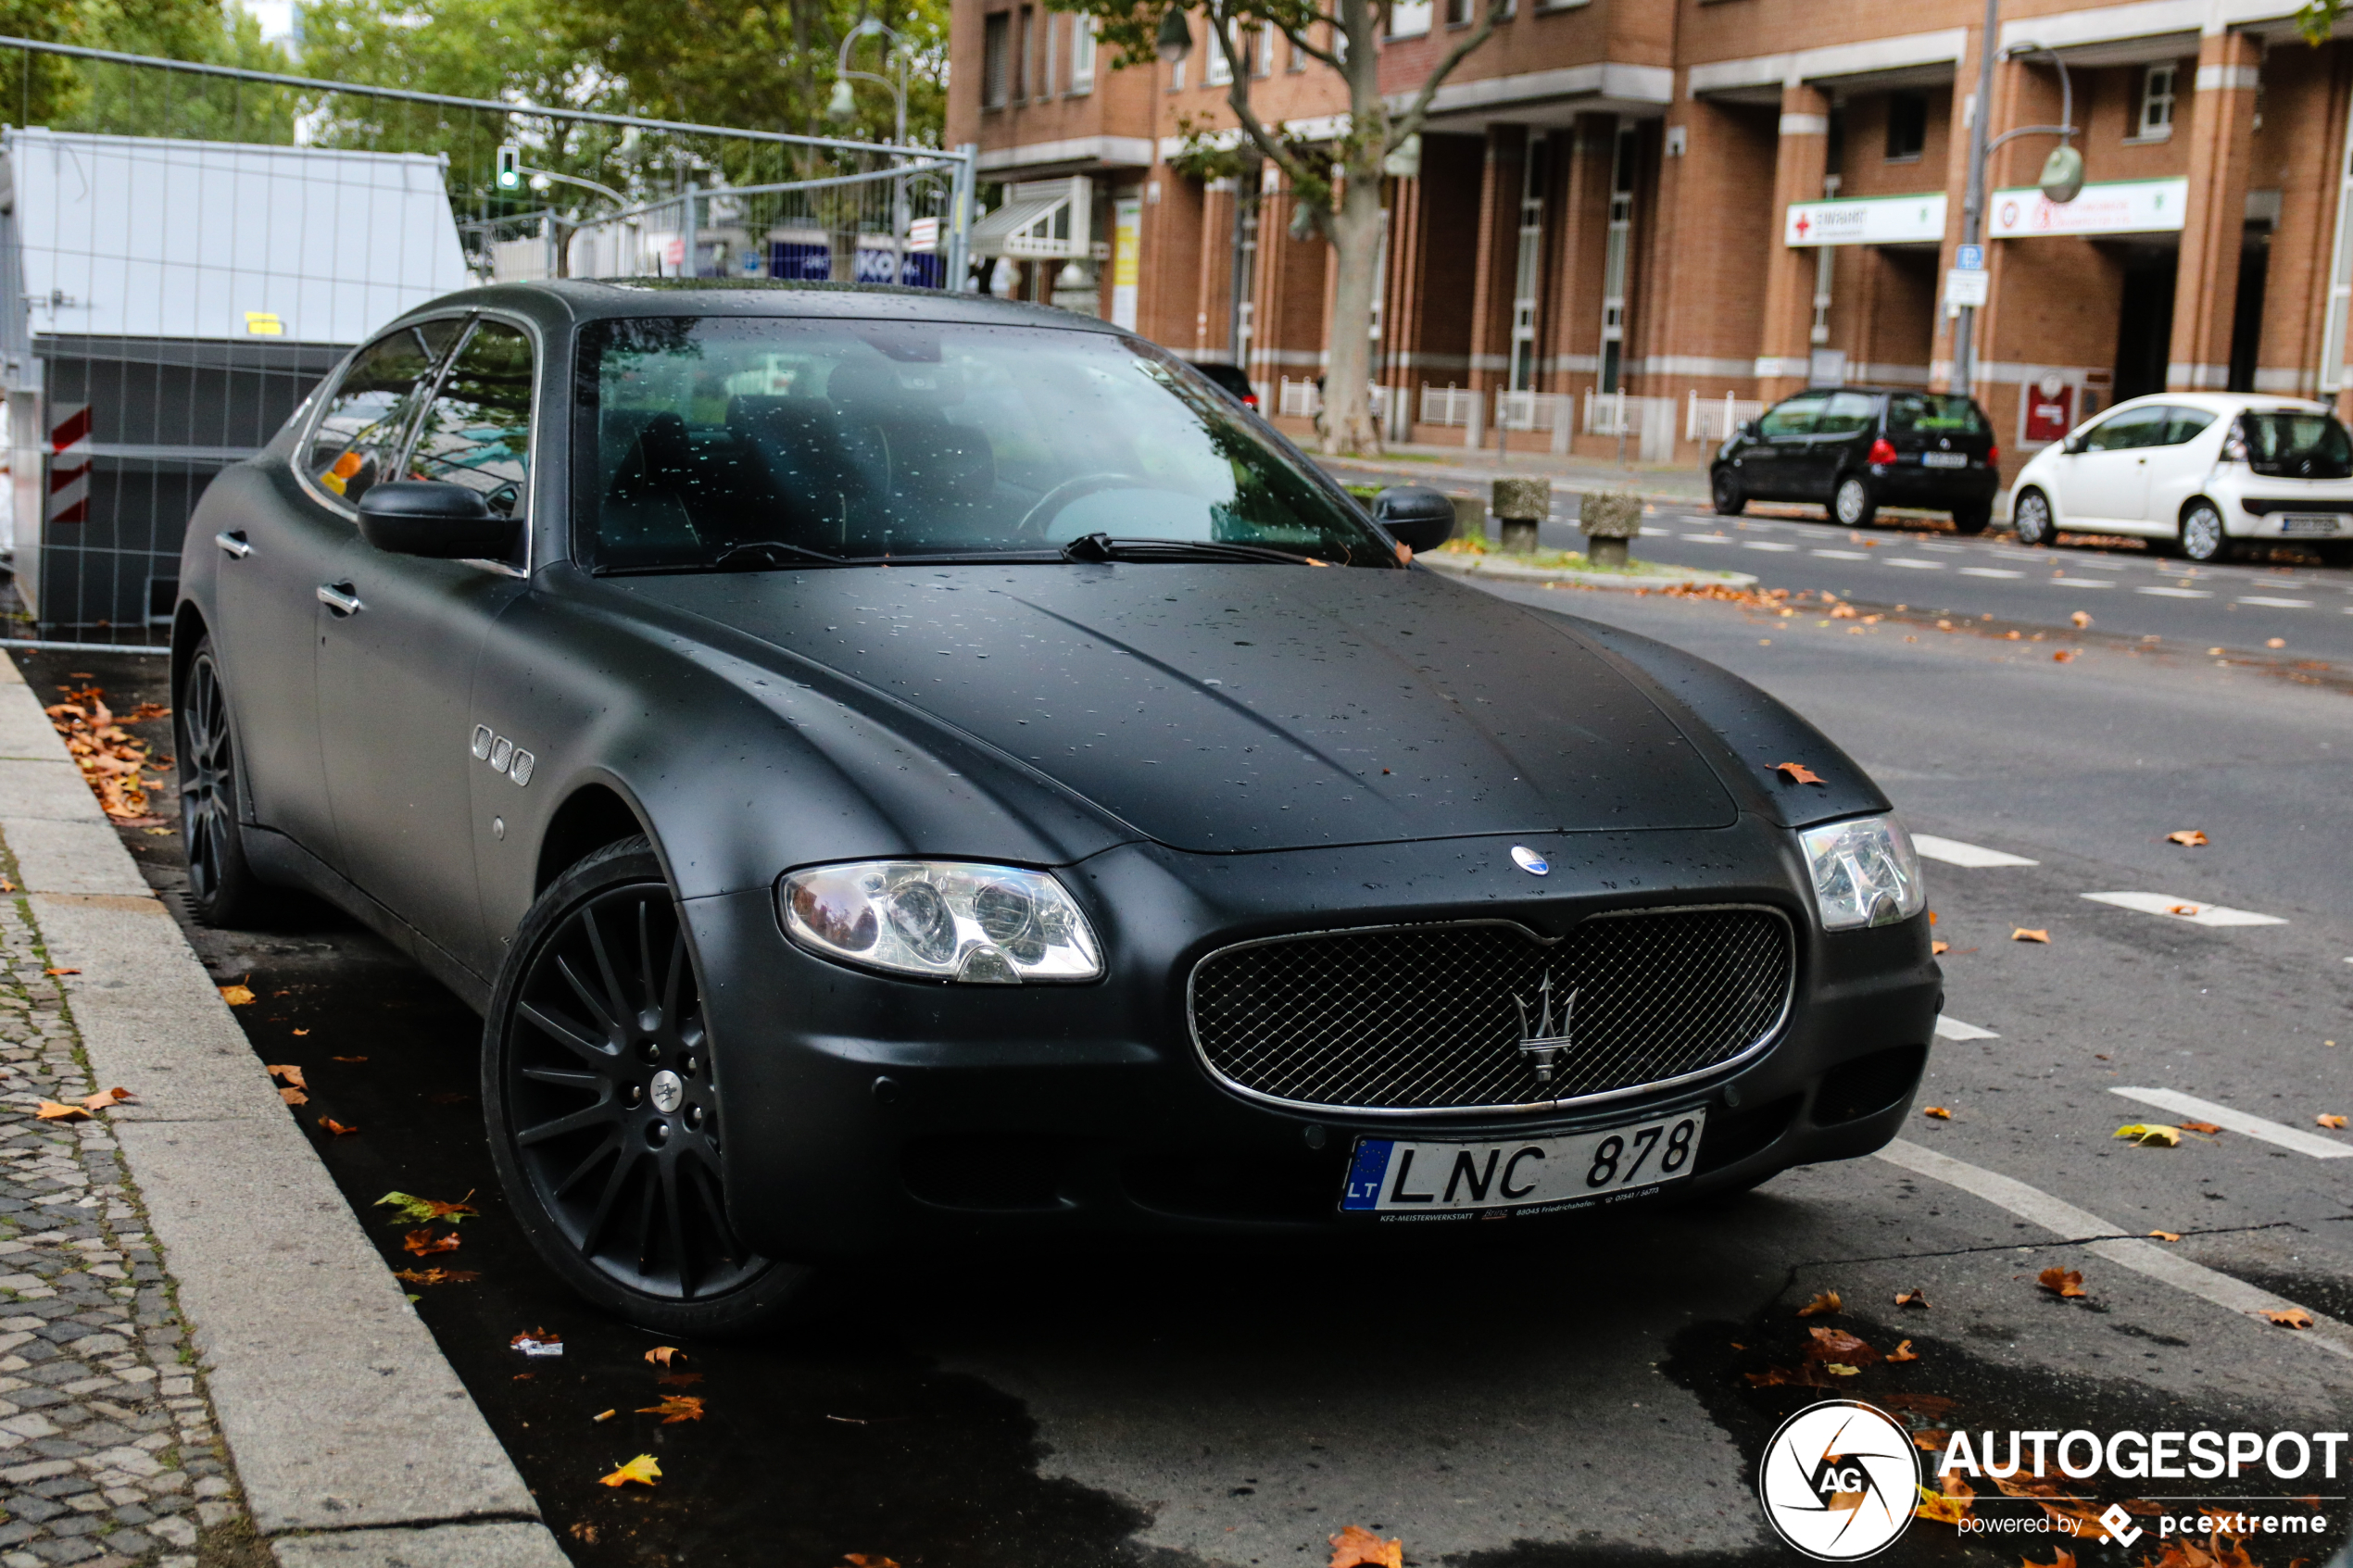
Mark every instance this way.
x=1837 y=1481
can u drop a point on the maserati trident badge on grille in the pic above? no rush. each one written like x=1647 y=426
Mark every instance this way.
x=1549 y=1036
x=1526 y=860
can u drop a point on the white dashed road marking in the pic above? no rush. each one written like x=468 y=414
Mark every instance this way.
x=2142 y=1257
x=1954 y=1029
x=2232 y=1121
x=1765 y=544
x=1844 y=555
x=1953 y=852
x=1709 y=538
x=1990 y=572
x=2190 y=910
x=1918 y=565
x=2176 y=593
x=2276 y=604
x=2081 y=583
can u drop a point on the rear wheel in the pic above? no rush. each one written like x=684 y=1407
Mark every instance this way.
x=1853 y=504
x=1724 y=488
x=2031 y=519
x=2202 y=536
x=1973 y=520
x=605 y=1113
x=223 y=889
x=2339 y=554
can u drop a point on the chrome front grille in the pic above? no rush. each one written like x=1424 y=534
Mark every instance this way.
x=1427 y=1019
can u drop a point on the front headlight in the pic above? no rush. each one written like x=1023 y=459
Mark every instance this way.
x=986 y=925
x=1865 y=872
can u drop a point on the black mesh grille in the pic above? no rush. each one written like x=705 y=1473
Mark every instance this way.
x=1426 y=1020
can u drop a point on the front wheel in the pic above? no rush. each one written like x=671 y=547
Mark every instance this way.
x=1724 y=488
x=2031 y=519
x=223 y=892
x=2202 y=536
x=1853 y=504
x=605 y=1111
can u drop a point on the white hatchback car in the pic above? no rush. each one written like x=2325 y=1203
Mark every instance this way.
x=2199 y=470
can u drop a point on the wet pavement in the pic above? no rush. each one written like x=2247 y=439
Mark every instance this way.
x=1601 y=1396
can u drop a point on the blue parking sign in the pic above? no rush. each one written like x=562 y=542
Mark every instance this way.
x=1968 y=258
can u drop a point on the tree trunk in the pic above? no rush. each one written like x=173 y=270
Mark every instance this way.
x=1349 y=426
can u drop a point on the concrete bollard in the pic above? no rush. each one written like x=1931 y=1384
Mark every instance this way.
x=1522 y=504
x=1471 y=517
x=1609 y=518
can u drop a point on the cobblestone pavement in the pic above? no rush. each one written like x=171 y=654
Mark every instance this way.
x=108 y=1455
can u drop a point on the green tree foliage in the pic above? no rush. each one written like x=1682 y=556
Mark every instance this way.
x=84 y=96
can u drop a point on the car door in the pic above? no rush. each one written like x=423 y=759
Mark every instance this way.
x=1827 y=452
x=2178 y=463
x=276 y=554
x=2105 y=481
x=397 y=651
x=1775 y=461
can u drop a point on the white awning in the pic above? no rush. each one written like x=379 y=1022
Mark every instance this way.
x=1042 y=219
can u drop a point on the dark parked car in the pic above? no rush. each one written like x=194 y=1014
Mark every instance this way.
x=898 y=769
x=1857 y=450
x=1232 y=380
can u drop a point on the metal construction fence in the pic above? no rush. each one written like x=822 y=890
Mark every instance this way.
x=185 y=249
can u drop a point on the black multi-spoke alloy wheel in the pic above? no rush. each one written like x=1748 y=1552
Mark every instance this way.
x=1724 y=488
x=222 y=890
x=604 y=1111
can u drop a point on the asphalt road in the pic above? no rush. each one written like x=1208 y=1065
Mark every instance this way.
x=1586 y=1400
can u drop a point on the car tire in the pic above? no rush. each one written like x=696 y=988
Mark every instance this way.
x=223 y=892
x=1973 y=520
x=2202 y=536
x=2338 y=555
x=2030 y=518
x=1852 y=504
x=1724 y=489
x=603 y=1106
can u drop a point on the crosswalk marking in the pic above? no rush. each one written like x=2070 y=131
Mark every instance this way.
x=2194 y=910
x=2232 y=1121
x=1953 y=852
x=1954 y=1029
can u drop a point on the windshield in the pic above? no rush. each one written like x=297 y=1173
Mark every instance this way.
x=866 y=440
x=1933 y=413
x=2296 y=445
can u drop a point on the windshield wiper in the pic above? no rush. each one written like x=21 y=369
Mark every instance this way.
x=1099 y=547
x=770 y=552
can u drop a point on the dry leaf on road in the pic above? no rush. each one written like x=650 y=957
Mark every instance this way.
x=642 y=1470
x=2066 y=1284
x=661 y=1355
x=2166 y=1236
x=2200 y=1127
x=676 y=1408
x=335 y=1128
x=1938 y=949
x=424 y=1243
x=288 y=1074
x=2290 y=1317
x=237 y=995
x=1940 y=1112
x=2188 y=838
x=52 y=1111
x=2150 y=1134
x=1359 y=1547
x=61 y=972
x=437 y=1276
x=105 y=1098
x=2326 y=1119
x=2064 y=656
x=1837 y=1345
x=2081 y=619
x=866 y=1559
x=1914 y=1298
x=1798 y=772
x=1904 y=1352
x=426 y=1211
x=536 y=1336
x=1826 y=1303
x=2022 y=935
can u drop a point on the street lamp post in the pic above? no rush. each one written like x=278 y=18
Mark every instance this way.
x=842 y=106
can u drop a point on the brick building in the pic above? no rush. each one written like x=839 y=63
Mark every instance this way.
x=1633 y=218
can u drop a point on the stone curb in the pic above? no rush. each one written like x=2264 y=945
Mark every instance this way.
x=1667 y=577
x=339 y=1410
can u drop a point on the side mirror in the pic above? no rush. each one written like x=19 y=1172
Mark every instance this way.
x=1748 y=431
x=419 y=517
x=1417 y=517
x=2071 y=446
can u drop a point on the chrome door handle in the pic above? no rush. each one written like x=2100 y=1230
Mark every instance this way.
x=338 y=596
x=234 y=543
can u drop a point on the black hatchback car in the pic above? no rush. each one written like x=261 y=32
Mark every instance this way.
x=898 y=769
x=1856 y=449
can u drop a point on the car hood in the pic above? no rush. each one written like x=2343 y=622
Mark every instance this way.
x=1216 y=707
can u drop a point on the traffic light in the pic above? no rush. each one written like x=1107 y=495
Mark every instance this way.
x=509 y=166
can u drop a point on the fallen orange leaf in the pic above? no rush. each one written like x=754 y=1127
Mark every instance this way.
x=661 y=1354
x=1912 y=1299
x=1356 y=1546
x=1826 y=1303
x=2023 y=934
x=1938 y=949
x=1931 y=1438
x=104 y=1099
x=1797 y=773
x=2063 y=1283
x=676 y=1408
x=2166 y=1236
x=2181 y=908
x=52 y=1111
x=861 y=1559
x=2290 y=1317
x=339 y=1058
x=335 y=1127
x=2065 y=1558
x=437 y=1276
x=1940 y=1112
x=294 y=1097
x=237 y=996
x=288 y=1072
x=538 y=1337
x=1837 y=1345
x=424 y=1242
x=2081 y=618
x=61 y=972
x=2189 y=838
x=2064 y=656
x=1904 y=1352
x=2332 y=1122
x=642 y=1470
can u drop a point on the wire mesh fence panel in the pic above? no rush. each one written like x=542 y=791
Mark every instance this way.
x=186 y=250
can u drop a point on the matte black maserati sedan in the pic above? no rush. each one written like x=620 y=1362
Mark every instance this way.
x=1856 y=449
x=895 y=769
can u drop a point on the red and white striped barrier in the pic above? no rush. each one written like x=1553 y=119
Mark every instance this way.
x=69 y=463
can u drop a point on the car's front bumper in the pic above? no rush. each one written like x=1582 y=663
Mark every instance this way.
x=865 y=1113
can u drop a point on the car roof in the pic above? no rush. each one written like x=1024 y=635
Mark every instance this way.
x=2224 y=402
x=558 y=302
x=1879 y=391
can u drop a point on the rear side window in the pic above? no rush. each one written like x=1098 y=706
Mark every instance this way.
x=2184 y=425
x=2128 y=431
x=359 y=431
x=1796 y=416
x=2296 y=445
x=1933 y=413
x=1847 y=413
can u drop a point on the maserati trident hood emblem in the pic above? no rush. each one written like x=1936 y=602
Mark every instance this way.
x=1549 y=1036
x=1526 y=860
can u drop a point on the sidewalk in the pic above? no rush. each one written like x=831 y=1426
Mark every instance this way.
x=1462 y=468
x=183 y=1259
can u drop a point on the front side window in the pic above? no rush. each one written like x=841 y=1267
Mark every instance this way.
x=2128 y=431
x=476 y=432
x=358 y=436
x=872 y=441
x=1935 y=413
x=1795 y=417
x=2157 y=102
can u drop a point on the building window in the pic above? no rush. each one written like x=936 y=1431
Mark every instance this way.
x=1025 y=84
x=1082 y=54
x=1218 y=70
x=996 y=59
x=1298 y=58
x=1262 y=55
x=1906 y=127
x=2156 y=104
x=1458 y=12
x=1054 y=34
x=1408 y=18
x=1176 y=77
